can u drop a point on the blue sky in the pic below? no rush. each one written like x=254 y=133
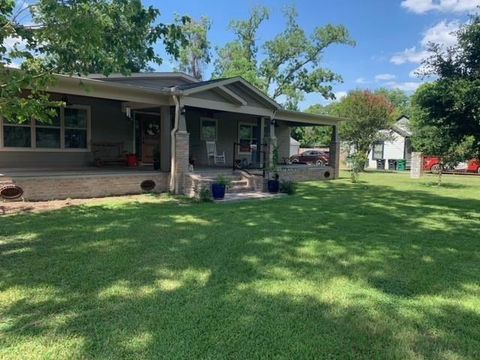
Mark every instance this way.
x=390 y=34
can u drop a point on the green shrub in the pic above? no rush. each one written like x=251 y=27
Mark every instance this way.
x=288 y=187
x=222 y=180
x=204 y=194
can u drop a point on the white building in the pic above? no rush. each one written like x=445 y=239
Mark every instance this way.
x=397 y=146
x=294 y=147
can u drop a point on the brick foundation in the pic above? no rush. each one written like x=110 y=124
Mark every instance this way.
x=299 y=173
x=88 y=186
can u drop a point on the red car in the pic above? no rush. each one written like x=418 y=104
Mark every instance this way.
x=432 y=163
x=315 y=157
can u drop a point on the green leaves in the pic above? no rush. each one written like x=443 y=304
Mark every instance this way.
x=76 y=37
x=447 y=111
x=195 y=54
x=291 y=60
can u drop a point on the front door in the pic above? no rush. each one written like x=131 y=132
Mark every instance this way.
x=150 y=137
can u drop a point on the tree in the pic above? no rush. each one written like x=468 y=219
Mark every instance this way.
x=446 y=119
x=399 y=99
x=74 y=37
x=195 y=55
x=291 y=60
x=366 y=114
x=312 y=136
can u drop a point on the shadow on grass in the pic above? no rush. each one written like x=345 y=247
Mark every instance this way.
x=337 y=270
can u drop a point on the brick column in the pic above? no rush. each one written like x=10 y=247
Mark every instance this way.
x=182 y=143
x=335 y=152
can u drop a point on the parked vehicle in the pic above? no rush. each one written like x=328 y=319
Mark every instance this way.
x=315 y=157
x=474 y=166
x=432 y=163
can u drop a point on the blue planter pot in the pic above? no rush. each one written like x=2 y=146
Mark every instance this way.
x=273 y=186
x=218 y=191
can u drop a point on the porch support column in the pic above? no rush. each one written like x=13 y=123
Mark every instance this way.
x=335 y=152
x=182 y=149
x=165 y=143
x=271 y=141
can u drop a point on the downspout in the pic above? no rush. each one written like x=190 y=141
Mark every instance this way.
x=173 y=144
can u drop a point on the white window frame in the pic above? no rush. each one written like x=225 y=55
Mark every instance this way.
x=62 y=148
x=202 y=119
x=252 y=125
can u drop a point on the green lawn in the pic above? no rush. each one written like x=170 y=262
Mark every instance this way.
x=388 y=268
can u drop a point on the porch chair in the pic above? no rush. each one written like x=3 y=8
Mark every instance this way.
x=212 y=153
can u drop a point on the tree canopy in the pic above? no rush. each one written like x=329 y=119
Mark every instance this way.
x=446 y=111
x=195 y=54
x=287 y=66
x=74 y=37
x=366 y=113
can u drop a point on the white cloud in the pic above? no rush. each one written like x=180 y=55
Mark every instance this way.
x=413 y=74
x=385 y=77
x=445 y=6
x=442 y=34
x=410 y=55
x=404 y=86
x=361 y=80
x=10 y=42
x=339 y=95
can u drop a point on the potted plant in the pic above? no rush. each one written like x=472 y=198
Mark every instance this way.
x=273 y=184
x=156 y=159
x=219 y=186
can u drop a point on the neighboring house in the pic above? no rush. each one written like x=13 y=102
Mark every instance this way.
x=143 y=114
x=294 y=147
x=397 y=145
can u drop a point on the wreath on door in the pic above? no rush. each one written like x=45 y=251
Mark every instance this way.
x=152 y=129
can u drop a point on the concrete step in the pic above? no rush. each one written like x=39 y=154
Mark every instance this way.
x=239 y=189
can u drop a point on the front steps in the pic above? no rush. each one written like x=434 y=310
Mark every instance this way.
x=240 y=182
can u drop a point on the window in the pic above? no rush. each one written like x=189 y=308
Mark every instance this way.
x=69 y=130
x=75 y=122
x=208 y=130
x=17 y=135
x=48 y=135
x=247 y=136
x=377 y=151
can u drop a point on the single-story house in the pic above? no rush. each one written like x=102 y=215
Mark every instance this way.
x=192 y=127
x=396 y=146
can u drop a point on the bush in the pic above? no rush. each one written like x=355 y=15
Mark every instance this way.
x=204 y=194
x=288 y=187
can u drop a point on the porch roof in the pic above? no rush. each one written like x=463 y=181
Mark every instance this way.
x=229 y=94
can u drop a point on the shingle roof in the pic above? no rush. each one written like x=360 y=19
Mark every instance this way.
x=198 y=84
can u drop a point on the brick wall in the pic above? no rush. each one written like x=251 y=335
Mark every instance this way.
x=88 y=186
x=299 y=173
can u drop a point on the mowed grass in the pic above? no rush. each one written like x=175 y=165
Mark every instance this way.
x=388 y=268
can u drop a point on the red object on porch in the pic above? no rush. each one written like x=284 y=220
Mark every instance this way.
x=132 y=160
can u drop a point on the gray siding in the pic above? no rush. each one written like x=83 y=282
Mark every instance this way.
x=108 y=124
x=227 y=134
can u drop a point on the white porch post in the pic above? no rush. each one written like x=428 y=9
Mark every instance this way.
x=165 y=136
x=271 y=141
x=335 y=152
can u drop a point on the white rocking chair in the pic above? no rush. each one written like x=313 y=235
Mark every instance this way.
x=212 y=153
